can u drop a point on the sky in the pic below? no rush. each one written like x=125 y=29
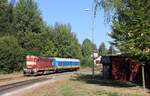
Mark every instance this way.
x=72 y=12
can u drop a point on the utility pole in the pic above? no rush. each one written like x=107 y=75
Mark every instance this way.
x=93 y=23
x=92 y=31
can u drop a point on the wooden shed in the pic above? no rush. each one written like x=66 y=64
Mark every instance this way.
x=119 y=68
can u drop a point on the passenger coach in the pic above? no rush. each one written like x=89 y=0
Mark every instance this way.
x=65 y=64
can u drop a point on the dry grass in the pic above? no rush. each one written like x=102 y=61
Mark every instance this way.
x=78 y=88
x=81 y=84
x=13 y=77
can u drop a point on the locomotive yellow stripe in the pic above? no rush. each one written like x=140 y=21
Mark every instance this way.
x=71 y=67
x=75 y=67
x=50 y=69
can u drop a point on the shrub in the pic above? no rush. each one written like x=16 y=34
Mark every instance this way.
x=86 y=62
x=11 y=55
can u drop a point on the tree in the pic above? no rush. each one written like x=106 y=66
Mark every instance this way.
x=27 y=25
x=23 y=32
x=6 y=16
x=130 y=27
x=65 y=43
x=75 y=48
x=94 y=47
x=102 y=49
x=86 y=62
x=31 y=42
x=27 y=17
x=12 y=55
x=3 y=5
x=87 y=48
x=48 y=49
x=111 y=50
x=3 y=19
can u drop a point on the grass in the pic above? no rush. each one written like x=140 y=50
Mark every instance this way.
x=104 y=93
x=79 y=88
x=68 y=90
x=100 y=81
x=83 y=85
x=72 y=90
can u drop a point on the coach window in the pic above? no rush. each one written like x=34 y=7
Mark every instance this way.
x=61 y=63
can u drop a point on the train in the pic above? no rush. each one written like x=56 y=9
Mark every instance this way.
x=36 y=65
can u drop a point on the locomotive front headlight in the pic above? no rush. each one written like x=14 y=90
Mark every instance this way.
x=25 y=69
x=34 y=70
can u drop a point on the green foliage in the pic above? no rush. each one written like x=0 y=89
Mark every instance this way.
x=102 y=51
x=48 y=49
x=27 y=17
x=94 y=46
x=30 y=42
x=86 y=62
x=32 y=36
x=87 y=48
x=111 y=50
x=65 y=41
x=130 y=26
x=3 y=5
x=5 y=18
x=131 y=31
x=12 y=55
x=87 y=45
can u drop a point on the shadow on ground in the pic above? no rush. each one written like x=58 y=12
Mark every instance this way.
x=102 y=82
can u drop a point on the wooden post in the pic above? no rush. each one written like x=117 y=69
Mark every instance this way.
x=143 y=77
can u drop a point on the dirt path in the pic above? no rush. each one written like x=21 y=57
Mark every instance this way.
x=80 y=84
x=18 y=76
x=14 y=77
x=40 y=85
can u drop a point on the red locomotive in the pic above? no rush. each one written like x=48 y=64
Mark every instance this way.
x=35 y=64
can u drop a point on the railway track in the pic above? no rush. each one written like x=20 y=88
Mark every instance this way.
x=3 y=79
x=21 y=84
x=13 y=86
